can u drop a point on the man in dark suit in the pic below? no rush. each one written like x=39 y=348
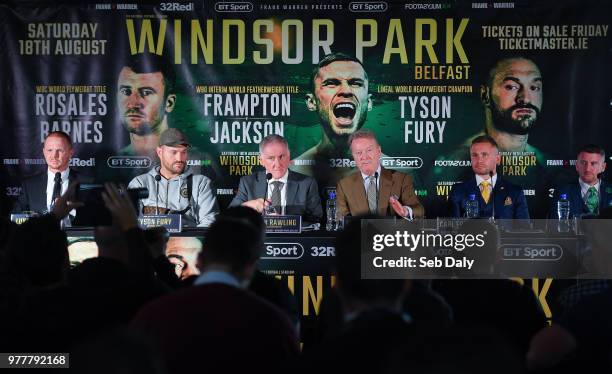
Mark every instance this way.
x=286 y=192
x=496 y=197
x=39 y=191
x=223 y=327
x=373 y=189
x=589 y=195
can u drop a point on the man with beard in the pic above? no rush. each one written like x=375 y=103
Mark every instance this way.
x=512 y=100
x=496 y=197
x=339 y=95
x=512 y=97
x=174 y=187
x=145 y=96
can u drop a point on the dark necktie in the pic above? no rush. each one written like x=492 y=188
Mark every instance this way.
x=276 y=196
x=57 y=187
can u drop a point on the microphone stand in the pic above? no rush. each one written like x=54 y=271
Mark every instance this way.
x=268 y=177
x=157 y=179
x=491 y=174
x=599 y=201
x=377 y=191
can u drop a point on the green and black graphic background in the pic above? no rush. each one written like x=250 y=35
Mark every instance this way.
x=577 y=107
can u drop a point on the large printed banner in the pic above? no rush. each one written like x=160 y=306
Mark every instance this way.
x=535 y=75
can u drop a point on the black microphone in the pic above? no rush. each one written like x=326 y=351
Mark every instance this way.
x=138 y=193
x=157 y=179
x=492 y=193
x=268 y=177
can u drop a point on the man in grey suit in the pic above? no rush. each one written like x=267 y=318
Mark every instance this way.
x=284 y=192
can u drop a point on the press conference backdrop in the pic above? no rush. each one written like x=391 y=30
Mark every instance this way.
x=243 y=69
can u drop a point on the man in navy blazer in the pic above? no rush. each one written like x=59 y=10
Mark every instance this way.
x=37 y=191
x=496 y=197
x=589 y=194
x=288 y=192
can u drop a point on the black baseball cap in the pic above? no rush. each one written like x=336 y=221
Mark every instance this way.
x=173 y=137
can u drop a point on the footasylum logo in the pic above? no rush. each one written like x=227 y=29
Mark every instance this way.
x=452 y=163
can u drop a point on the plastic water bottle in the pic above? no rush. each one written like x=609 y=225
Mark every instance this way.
x=563 y=207
x=330 y=209
x=563 y=212
x=471 y=207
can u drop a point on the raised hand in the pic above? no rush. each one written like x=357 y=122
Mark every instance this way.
x=119 y=204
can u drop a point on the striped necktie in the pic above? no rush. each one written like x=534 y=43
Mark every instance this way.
x=276 y=196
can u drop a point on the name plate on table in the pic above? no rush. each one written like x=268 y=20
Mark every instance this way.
x=20 y=218
x=283 y=224
x=172 y=222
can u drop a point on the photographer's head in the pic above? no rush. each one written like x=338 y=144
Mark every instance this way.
x=111 y=243
x=233 y=244
x=38 y=250
x=357 y=293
